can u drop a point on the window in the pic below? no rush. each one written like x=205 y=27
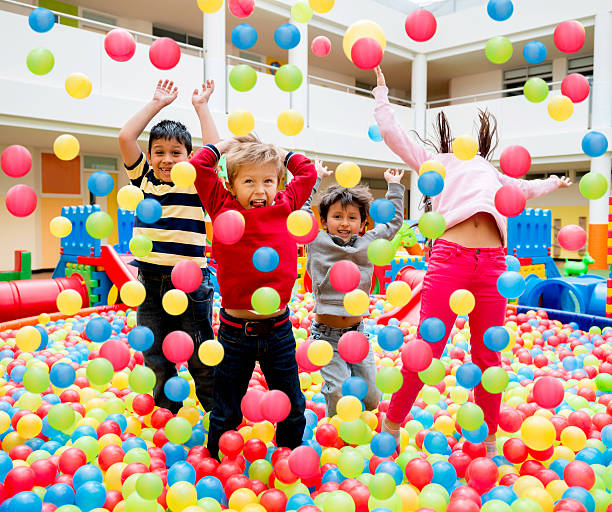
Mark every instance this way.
x=514 y=78
x=179 y=37
x=250 y=56
x=582 y=65
x=363 y=85
x=100 y=163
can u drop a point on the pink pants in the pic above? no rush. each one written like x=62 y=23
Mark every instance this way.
x=452 y=267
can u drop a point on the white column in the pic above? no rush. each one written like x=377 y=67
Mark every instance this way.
x=601 y=120
x=419 y=99
x=214 y=57
x=298 y=56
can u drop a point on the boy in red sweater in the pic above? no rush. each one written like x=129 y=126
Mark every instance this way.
x=255 y=171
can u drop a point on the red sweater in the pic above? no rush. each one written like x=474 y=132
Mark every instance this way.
x=267 y=226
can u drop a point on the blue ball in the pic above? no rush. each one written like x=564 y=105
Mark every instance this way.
x=98 y=329
x=500 y=10
x=176 y=389
x=510 y=284
x=383 y=444
x=265 y=259
x=149 y=210
x=478 y=435
x=44 y=337
x=355 y=386
x=333 y=475
x=133 y=442
x=141 y=338
x=287 y=36
x=496 y=338
x=210 y=487
x=390 y=338
x=432 y=329
x=503 y=493
x=174 y=453
x=17 y=374
x=181 y=471
x=513 y=263
x=197 y=438
x=581 y=495
x=244 y=36
x=87 y=473
x=60 y=494
x=26 y=501
x=90 y=495
x=298 y=500
x=391 y=468
x=534 y=52
x=374 y=133
x=100 y=183
x=444 y=474
x=382 y=211
x=62 y=375
x=85 y=431
x=436 y=442
x=468 y=375
x=41 y=20
x=606 y=436
x=594 y=144
x=558 y=466
x=119 y=419
x=431 y=183
x=311 y=417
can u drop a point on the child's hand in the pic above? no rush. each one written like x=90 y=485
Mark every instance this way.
x=394 y=175
x=380 y=78
x=322 y=171
x=165 y=93
x=564 y=182
x=201 y=98
x=225 y=145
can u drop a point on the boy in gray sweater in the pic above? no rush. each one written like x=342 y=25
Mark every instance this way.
x=344 y=213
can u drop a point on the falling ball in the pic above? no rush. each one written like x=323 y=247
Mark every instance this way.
x=321 y=46
x=78 y=85
x=16 y=161
x=183 y=174
x=560 y=108
x=510 y=201
x=465 y=147
x=498 y=49
x=40 y=61
x=164 y=53
x=21 y=200
x=66 y=147
x=366 y=53
x=515 y=161
x=420 y=25
x=290 y=122
x=241 y=122
x=572 y=237
x=41 y=20
x=119 y=45
x=348 y=174
x=60 y=226
x=228 y=227
x=569 y=36
x=576 y=87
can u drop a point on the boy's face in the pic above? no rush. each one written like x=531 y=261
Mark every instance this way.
x=164 y=154
x=255 y=187
x=343 y=221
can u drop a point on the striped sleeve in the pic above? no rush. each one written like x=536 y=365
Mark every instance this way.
x=137 y=170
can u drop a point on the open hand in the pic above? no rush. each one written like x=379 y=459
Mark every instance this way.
x=201 y=97
x=394 y=175
x=565 y=182
x=380 y=78
x=165 y=92
x=322 y=171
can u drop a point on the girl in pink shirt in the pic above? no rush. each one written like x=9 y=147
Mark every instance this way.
x=469 y=255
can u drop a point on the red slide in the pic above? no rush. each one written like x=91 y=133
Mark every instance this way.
x=115 y=265
x=411 y=311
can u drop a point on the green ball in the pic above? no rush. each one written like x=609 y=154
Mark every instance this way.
x=137 y=455
x=354 y=432
x=37 y=455
x=430 y=395
x=602 y=499
x=114 y=405
x=382 y=486
x=394 y=503
x=135 y=503
x=603 y=381
x=242 y=77
x=535 y=90
x=525 y=505
x=339 y=501
x=60 y=416
x=36 y=379
x=99 y=225
x=68 y=508
x=209 y=504
x=350 y=463
x=141 y=246
x=495 y=379
x=178 y=430
x=89 y=445
x=593 y=185
x=129 y=486
x=434 y=373
x=389 y=379
x=495 y=506
x=470 y=416
x=381 y=252
x=432 y=500
x=288 y=78
x=40 y=61
x=142 y=379
x=260 y=469
x=100 y=371
x=432 y=225
x=301 y=12
x=265 y=300
x=150 y=486
x=498 y=49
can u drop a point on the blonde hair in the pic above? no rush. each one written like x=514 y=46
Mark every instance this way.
x=252 y=152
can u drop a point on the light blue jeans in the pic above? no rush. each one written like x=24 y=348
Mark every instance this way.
x=338 y=370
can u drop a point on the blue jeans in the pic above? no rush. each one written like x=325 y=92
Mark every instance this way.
x=195 y=321
x=275 y=352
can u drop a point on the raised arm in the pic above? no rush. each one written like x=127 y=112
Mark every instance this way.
x=409 y=151
x=299 y=189
x=165 y=93
x=199 y=99
x=395 y=194
x=209 y=186
x=322 y=172
x=536 y=188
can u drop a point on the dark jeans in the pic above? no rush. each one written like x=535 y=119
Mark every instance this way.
x=195 y=321
x=276 y=355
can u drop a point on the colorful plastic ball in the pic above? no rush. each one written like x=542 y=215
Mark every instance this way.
x=288 y=77
x=299 y=223
x=275 y=405
x=572 y=237
x=389 y=379
x=241 y=122
x=287 y=36
x=382 y=210
x=183 y=174
x=142 y=379
x=496 y=338
x=99 y=225
x=149 y=486
x=100 y=183
x=500 y=10
x=140 y=246
x=265 y=300
x=321 y=6
x=348 y=174
x=510 y=200
x=366 y=53
x=244 y=36
x=140 y=338
x=40 y=61
x=176 y=389
x=538 y=433
x=181 y=495
x=119 y=45
x=211 y=352
x=398 y=293
x=548 y=392
x=149 y=210
x=301 y=12
x=560 y=108
x=186 y=275
x=470 y=416
x=290 y=122
x=241 y=8
x=430 y=183
x=498 y=49
x=129 y=196
x=66 y=147
x=534 y=52
x=432 y=329
x=175 y=302
x=265 y=259
x=210 y=6
x=515 y=161
x=462 y=302
x=593 y=185
x=465 y=147
x=320 y=46
x=133 y=293
x=432 y=165
x=416 y=355
x=419 y=472
x=510 y=284
x=320 y=353
x=228 y=227
x=494 y=379
x=356 y=302
x=78 y=85
x=432 y=225
x=374 y=133
x=383 y=445
x=62 y=375
x=100 y=371
x=579 y=474
x=576 y=87
x=353 y=347
x=242 y=77
x=569 y=36
x=41 y=20
x=69 y=302
x=594 y=144
x=420 y=25
x=381 y=252
x=390 y=338
x=177 y=346
x=16 y=161
x=360 y=29
x=535 y=90
x=164 y=53
x=344 y=276
x=98 y=329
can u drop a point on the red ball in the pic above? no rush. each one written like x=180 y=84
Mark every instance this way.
x=572 y=237
x=132 y=469
x=112 y=498
x=109 y=455
x=164 y=53
x=207 y=467
x=326 y=434
x=241 y=8
x=304 y=462
x=510 y=201
x=301 y=356
x=569 y=505
x=273 y=500
x=465 y=492
x=20 y=452
x=579 y=474
x=231 y=443
x=420 y=25
x=16 y=161
x=515 y=161
x=235 y=482
x=353 y=347
x=275 y=405
x=186 y=275
x=321 y=47
x=45 y=472
x=283 y=471
x=366 y=53
x=416 y=355
x=108 y=427
x=117 y=352
x=515 y=450
x=120 y=46
x=228 y=227
x=482 y=474
x=258 y=487
x=344 y=276
x=177 y=346
x=419 y=472
x=251 y=405
x=143 y=404
x=548 y=392
x=21 y=478
x=462 y=505
x=546 y=476
x=227 y=469
x=569 y=36
x=460 y=461
x=71 y=460
x=255 y=449
x=576 y=87
x=21 y=200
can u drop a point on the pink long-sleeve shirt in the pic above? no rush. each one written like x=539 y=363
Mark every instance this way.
x=469 y=185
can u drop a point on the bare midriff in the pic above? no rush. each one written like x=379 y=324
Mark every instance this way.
x=251 y=315
x=339 y=322
x=479 y=231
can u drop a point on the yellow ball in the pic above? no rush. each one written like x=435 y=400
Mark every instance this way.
x=556 y=488
x=320 y=352
x=66 y=147
x=241 y=498
x=181 y=495
x=356 y=302
x=175 y=302
x=321 y=6
x=541 y=497
x=299 y=223
x=211 y=352
x=348 y=408
x=538 y=433
x=445 y=424
x=78 y=85
x=290 y=122
x=210 y=6
x=133 y=293
x=525 y=483
x=465 y=147
x=69 y=302
x=28 y=338
x=5 y=422
x=409 y=497
x=129 y=196
x=348 y=174
x=560 y=108
x=432 y=165
x=399 y=293
x=330 y=455
x=11 y=440
x=60 y=226
x=29 y=426
x=573 y=438
x=183 y=174
x=462 y=302
x=359 y=29
x=264 y=431
x=241 y=122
